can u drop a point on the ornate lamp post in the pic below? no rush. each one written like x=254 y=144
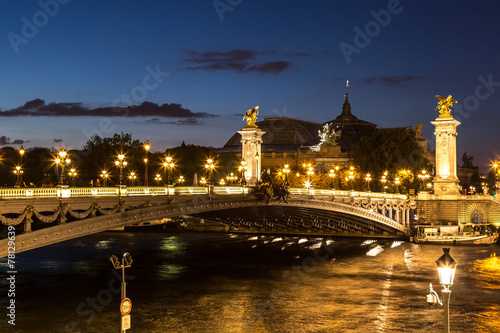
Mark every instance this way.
x=447 y=266
x=331 y=174
x=286 y=171
x=203 y=181
x=222 y=182
x=495 y=168
x=368 y=179
x=168 y=165
x=121 y=163
x=21 y=154
x=210 y=166
x=132 y=178
x=181 y=180
x=18 y=172
x=423 y=176
x=242 y=169
x=147 y=146
x=383 y=180
x=257 y=158
x=397 y=182
x=125 y=263
x=64 y=160
x=72 y=173
x=104 y=176
x=351 y=177
x=157 y=179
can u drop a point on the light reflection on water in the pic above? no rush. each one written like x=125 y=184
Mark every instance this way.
x=236 y=283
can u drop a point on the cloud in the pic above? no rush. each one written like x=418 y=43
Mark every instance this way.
x=57 y=140
x=240 y=61
x=158 y=121
x=38 y=107
x=393 y=80
x=6 y=141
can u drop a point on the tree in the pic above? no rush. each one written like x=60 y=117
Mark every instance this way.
x=390 y=150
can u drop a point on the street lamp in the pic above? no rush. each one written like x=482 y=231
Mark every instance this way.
x=64 y=160
x=168 y=164
x=18 y=172
x=332 y=177
x=286 y=171
x=222 y=182
x=121 y=163
x=351 y=177
x=72 y=173
x=257 y=158
x=203 y=181
x=242 y=169
x=423 y=176
x=158 y=179
x=132 y=178
x=383 y=180
x=125 y=263
x=447 y=266
x=181 y=180
x=368 y=179
x=104 y=176
x=21 y=154
x=397 y=182
x=210 y=166
x=147 y=146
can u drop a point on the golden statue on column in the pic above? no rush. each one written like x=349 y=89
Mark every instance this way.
x=251 y=116
x=444 y=106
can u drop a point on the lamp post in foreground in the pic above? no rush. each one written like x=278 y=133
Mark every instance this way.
x=125 y=302
x=446 y=265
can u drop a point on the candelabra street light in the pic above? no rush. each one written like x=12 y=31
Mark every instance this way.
x=286 y=171
x=72 y=173
x=21 y=154
x=132 y=177
x=383 y=180
x=63 y=160
x=181 y=180
x=168 y=165
x=257 y=172
x=126 y=262
x=18 y=172
x=331 y=174
x=147 y=146
x=157 y=179
x=121 y=163
x=242 y=169
x=351 y=177
x=104 y=176
x=368 y=179
x=203 y=181
x=397 y=182
x=210 y=166
x=447 y=266
x=423 y=176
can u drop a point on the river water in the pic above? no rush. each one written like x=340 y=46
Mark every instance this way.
x=213 y=282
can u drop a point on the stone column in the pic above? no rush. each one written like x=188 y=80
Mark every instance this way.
x=251 y=140
x=446 y=180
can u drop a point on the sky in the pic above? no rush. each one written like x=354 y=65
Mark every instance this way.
x=173 y=71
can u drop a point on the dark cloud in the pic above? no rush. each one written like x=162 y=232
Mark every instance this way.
x=241 y=61
x=6 y=141
x=58 y=140
x=393 y=80
x=158 y=121
x=38 y=107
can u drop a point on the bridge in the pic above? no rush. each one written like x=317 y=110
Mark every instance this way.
x=44 y=216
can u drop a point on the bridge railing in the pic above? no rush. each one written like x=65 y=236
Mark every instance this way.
x=75 y=192
x=342 y=193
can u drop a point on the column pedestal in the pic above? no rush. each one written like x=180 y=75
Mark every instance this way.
x=251 y=140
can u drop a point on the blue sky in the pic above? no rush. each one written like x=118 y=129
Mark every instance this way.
x=218 y=59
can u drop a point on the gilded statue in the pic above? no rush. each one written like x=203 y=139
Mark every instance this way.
x=251 y=116
x=444 y=106
x=328 y=137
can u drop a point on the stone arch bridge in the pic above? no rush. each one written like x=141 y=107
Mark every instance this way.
x=344 y=213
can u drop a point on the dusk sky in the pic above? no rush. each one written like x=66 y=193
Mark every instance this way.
x=70 y=69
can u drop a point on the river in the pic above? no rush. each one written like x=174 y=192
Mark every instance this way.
x=215 y=282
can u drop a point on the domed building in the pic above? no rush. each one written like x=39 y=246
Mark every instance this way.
x=294 y=142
